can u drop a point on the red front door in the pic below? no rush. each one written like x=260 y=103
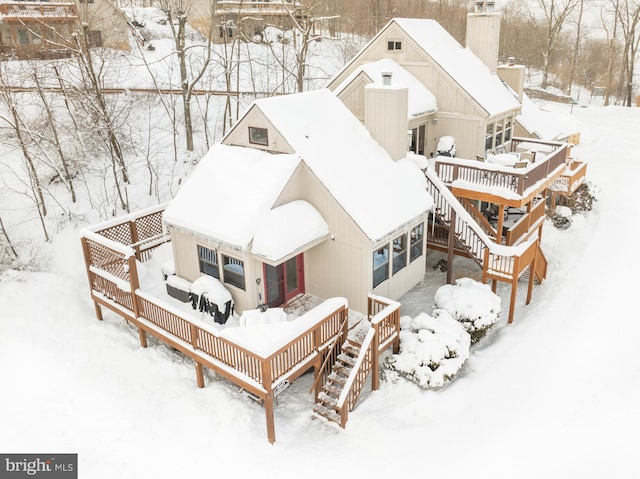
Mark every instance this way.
x=285 y=281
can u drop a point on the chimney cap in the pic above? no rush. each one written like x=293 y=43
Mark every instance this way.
x=386 y=78
x=485 y=6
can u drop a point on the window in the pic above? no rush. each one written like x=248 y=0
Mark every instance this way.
x=95 y=38
x=416 y=247
x=507 y=129
x=394 y=45
x=499 y=133
x=233 y=271
x=208 y=260
x=488 y=139
x=380 y=265
x=23 y=36
x=399 y=253
x=258 y=136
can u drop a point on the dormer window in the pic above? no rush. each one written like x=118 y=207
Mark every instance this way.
x=258 y=136
x=394 y=45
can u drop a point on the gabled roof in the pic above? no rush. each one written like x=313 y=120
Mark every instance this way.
x=233 y=187
x=379 y=194
x=421 y=100
x=460 y=63
x=229 y=191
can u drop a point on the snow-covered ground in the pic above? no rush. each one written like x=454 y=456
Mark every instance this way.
x=553 y=395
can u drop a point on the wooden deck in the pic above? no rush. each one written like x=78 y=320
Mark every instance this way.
x=111 y=252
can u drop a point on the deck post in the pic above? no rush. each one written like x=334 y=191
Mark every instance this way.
x=450 y=246
x=267 y=384
x=512 y=303
x=135 y=285
x=532 y=274
x=199 y=375
x=375 y=358
x=133 y=230
x=98 y=309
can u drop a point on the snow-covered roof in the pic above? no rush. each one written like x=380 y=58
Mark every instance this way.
x=544 y=124
x=460 y=63
x=229 y=191
x=288 y=228
x=421 y=100
x=378 y=193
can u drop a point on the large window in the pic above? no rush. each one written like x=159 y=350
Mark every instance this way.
x=208 y=260
x=380 y=265
x=488 y=139
x=258 y=136
x=399 y=253
x=507 y=129
x=499 y=133
x=416 y=247
x=233 y=271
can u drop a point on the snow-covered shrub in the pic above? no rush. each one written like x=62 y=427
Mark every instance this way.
x=561 y=217
x=471 y=303
x=582 y=199
x=432 y=350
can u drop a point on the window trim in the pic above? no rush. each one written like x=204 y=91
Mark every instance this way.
x=252 y=140
x=394 y=45
x=399 y=255
x=416 y=244
x=205 y=255
x=239 y=280
x=383 y=266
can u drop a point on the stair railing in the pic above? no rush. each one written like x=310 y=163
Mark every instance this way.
x=332 y=354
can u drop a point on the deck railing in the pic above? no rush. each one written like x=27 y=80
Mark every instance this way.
x=25 y=11
x=384 y=315
x=518 y=232
x=518 y=180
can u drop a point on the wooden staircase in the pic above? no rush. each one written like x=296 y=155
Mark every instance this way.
x=327 y=404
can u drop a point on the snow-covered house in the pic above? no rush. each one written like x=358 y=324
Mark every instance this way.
x=299 y=198
x=40 y=29
x=224 y=20
x=473 y=104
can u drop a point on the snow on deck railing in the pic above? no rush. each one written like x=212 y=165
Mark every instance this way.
x=463 y=214
x=126 y=218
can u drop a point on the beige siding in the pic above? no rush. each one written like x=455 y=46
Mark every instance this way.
x=386 y=118
x=239 y=136
x=104 y=16
x=185 y=252
x=470 y=129
x=483 y=37
x=338 y=266
x=353 y=95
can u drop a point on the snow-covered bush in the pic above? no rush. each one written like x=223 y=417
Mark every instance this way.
x=471 y=303
x=432 y=350
x=561 y=217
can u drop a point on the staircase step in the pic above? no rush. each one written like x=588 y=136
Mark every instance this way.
x=327 y=413
x=346 y=359
x=334 y=378
x=328 y=401
x=341 y=369
x=331 y=390
x=349 y=348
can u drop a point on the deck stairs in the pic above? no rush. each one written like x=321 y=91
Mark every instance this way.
x=327 y=405
x=448 y=209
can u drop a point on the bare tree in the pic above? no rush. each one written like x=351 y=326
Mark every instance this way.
x=177 y=12
x=628 y=16
x=556 y=13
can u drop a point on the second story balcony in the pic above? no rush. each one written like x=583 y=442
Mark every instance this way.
x=25 y=12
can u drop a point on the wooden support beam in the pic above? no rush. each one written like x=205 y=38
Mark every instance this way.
x=143 y=337
x=451 y=246
x=199 y=375
x=98 y=310
x=375 y=357
x=268 y=410
x=512 y=303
